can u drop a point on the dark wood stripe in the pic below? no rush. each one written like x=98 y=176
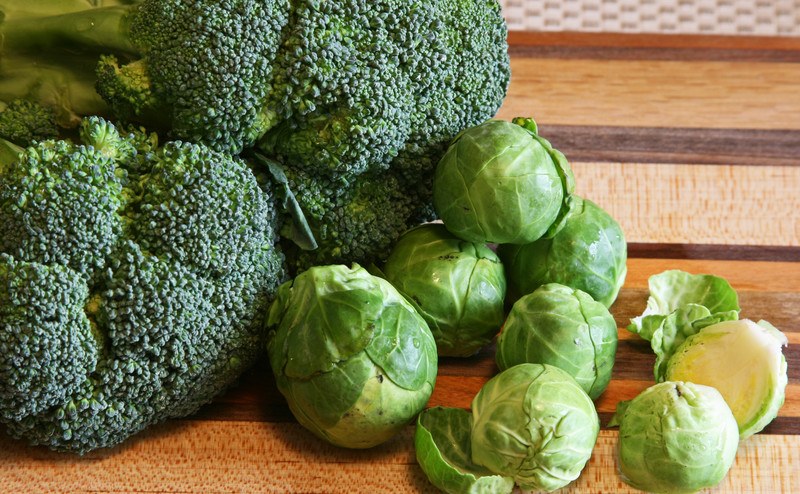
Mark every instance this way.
x=621 y=46
x=774 y=253
x=751 y=147
x=782 y=309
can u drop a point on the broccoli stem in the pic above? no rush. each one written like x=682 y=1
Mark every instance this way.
x=49 y=53
x=9 y=152
x=90 y=31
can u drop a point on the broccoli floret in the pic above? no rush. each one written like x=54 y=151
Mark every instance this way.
x=133 y=283
x=354 y=221
x=23 y=121
x=359 y=82
x=468 y=74
x=343 y=87
x=205 y=65
x=361 y=183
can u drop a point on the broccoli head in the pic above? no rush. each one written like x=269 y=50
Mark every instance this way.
x=204 y=69
x=349 y=220
x=23 y=121
x=343 y=90
x=133 y=283
x=331 y=90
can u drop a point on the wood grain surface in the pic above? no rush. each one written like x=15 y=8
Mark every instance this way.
x=691 y=143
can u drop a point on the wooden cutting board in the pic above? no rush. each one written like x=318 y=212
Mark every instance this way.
x=691 y=143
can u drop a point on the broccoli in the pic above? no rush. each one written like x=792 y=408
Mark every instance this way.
x=134 y=280
x=23 y=121
x=205 y=65
x=331 y=90
x=349 y=221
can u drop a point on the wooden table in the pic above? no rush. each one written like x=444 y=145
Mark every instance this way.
x=691 y=143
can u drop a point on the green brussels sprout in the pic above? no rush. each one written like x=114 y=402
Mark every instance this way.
x=588 y=253
x=564 y=327
x=534 y=423
x=457 y=286
x=744 y=361
x=442 y=443
x=353 y=358
x=500 y=182
x=676 y=437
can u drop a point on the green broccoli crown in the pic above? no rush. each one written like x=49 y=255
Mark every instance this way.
x=466 y=72
x=134 y=281
x=207 y=63
x=352 y=221
x=343 y=85
x=23 y=122
x=360 y=82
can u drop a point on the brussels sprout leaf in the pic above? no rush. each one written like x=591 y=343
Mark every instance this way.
x=442 y=443
x=680 y=305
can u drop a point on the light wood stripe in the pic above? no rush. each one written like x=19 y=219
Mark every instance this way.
x=744 y=276
x=275 y=458
x=654 y=93
x=711 y=204
x=755 y=44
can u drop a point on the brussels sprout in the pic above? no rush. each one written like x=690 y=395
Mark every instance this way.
x=457 y=286
x=588 y=253
x=680 y=305
x=744 y=361
x=676 y=437
x=534 y=423
x=442 y=443
x=501 y=182
x=564 y=327
x=353 y=358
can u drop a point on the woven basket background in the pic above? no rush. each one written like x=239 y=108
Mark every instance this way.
x=722 y=17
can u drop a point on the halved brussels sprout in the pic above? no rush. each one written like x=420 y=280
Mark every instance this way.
x=353 y=358
x=588 y=253
x=676 y=437
x=534 y=423
x=680 y=305
x=457 y=286
x=500 y=182
x=744 y=361
x=442 y=443
x=564 y=327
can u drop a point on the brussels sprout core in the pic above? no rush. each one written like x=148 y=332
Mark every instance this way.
x=744 y=361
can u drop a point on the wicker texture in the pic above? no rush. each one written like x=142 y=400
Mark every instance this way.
x=740 y=17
